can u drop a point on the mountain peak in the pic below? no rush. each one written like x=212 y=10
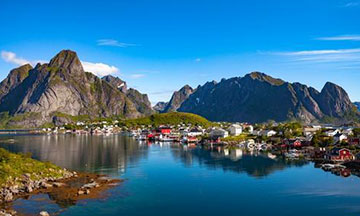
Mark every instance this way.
x=67 y=59
x=264 y=78
x=186 y=88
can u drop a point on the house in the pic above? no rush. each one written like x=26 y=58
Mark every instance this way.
x=248 y=127
x=163 y=130
x=308 y=131
x=339 y=154
x=319 y=152
x=293 y=142
x=331 y=132
x=268 y=133
x=339 y=137
x=195 y=132
x=235 y=130
x=218 y=133
x=257 y=132
x=80 y=123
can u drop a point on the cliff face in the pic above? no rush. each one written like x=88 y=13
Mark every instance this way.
x=178 y=98
x=258 y=97
x=160 y=106
x=141 y=101
x=116 y=82
x=15 y=77
x=62 y=86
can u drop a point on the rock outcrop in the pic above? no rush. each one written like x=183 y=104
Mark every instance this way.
x=116 y=82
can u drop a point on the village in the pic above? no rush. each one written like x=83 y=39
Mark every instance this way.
x=328 y=145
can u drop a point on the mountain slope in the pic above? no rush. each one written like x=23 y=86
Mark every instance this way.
x=15 y=77
x=141 y=101
x=178 y=98
x=62 y=86
x=257 y=97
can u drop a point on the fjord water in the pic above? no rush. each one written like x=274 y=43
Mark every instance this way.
x=170 y=179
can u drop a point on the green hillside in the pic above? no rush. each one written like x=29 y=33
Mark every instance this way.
x=173 y=118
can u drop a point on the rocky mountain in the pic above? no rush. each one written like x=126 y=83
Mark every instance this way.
x=15 y=77
x=257 y=97
x=178 y=98
x=62 y=86
x=141 y=101
x=160 y=106
x=116 y=82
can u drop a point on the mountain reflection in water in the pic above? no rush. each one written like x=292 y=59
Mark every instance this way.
x=235 y=160
x=82 y=153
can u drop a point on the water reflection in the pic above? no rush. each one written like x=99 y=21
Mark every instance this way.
x=235 y=160
x=82 y=153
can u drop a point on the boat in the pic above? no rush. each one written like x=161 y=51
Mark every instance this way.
x=292 y=154
x=189 y=139
x=163 y=138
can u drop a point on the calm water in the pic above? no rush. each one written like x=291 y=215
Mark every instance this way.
x=173 y=180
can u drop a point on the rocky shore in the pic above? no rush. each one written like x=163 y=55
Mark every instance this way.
x=65 y=191
x=21 y=177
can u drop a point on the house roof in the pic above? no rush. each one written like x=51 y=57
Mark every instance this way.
x=338 y=135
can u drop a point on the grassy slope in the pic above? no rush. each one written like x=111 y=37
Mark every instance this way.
x=173 y=118
x=16 y=165
x=6 y=120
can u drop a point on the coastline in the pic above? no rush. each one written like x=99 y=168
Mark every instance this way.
x=62 y=186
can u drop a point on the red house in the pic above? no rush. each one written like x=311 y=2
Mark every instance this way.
x=339 y=154
x=292 y=143
x=163 y=130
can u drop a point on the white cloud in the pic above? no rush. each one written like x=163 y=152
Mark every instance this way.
x=341 y=38
x=352 y=4
x=112 y=42
x=137 y=76
x=320 y=52
x=99 y=69
x=322 y=56
x=12 y=58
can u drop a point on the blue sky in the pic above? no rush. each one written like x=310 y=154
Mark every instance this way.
x=159 y=46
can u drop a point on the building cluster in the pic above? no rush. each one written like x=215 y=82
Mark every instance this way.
x=333 y=143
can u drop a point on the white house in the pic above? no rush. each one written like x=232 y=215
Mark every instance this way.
x=348 y=131
x=218 y=133
x=331 y=132
x=257 y=132
x=235 y=130
x=251 y=128
x=307 y=131
x=195 y=132
x=339 y=137
x=268 y=133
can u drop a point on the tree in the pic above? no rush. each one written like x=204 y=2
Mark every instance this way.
x=356 y=132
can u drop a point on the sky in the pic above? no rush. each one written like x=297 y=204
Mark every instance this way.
x=158 y=46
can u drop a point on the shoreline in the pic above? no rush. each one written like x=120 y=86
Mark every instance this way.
x=63 y=191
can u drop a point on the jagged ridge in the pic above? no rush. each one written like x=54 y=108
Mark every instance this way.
x=257 y=97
